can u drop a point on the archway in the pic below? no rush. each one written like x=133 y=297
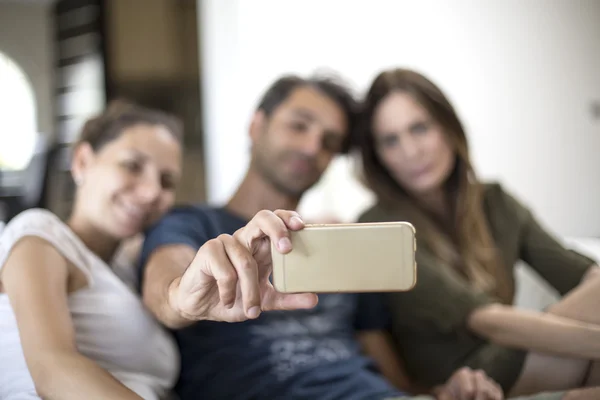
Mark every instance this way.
x=18 y=116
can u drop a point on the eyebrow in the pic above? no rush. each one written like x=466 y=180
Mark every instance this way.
x=309 y=115
x=304 y=113
x=137 y=153
x=411 y=125
x=145 y=157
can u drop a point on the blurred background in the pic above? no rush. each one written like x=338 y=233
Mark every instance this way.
x=524 y=76
x=61 y=61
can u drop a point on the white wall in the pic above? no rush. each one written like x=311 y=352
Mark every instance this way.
x=521 y=74
x=26 y=36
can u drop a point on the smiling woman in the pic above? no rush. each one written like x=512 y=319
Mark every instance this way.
x=17 y=116
x=64 y=306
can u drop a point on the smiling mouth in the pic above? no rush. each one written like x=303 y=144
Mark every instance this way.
x=134 y=213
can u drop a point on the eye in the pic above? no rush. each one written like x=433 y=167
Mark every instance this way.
x=388 y=141
x=133 y=166
x=420 y=128
x=299 y=126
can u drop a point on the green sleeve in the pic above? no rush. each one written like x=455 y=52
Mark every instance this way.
x=559 y=266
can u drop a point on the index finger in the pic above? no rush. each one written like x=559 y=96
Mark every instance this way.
x=272 y=225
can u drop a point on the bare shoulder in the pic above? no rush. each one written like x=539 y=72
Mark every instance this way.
x=33 y=261
x=41 y=224
x=34 y=234
x=37 y=244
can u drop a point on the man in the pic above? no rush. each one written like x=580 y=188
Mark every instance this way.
x=299 y=349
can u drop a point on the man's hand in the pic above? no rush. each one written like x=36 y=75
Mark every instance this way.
x=467 y=384
x=228 y=280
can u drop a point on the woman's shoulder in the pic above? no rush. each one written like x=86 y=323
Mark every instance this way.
x=493 y=190
x=40 y=223
x=496 y=194
x=33 y=220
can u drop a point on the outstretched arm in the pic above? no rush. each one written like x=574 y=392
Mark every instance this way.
x=227 y=279
x=162 y=275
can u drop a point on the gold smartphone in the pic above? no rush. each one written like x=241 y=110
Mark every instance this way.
x=349 y=258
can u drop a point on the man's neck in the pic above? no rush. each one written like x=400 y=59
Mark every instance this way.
x=255 y=194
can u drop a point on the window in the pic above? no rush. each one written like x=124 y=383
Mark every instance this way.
x=18 y=125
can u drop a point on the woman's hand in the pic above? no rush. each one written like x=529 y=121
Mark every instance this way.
x=467 y=384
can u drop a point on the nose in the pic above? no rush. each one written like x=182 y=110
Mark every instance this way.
x=312 y=143
x=410 y=147
x=148 y=190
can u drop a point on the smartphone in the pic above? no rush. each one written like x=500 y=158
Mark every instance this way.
x=348 y=258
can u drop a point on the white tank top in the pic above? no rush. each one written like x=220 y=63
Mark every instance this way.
x=112 y=327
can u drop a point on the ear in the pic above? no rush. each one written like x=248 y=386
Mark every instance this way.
x=257 y=125
x=83 y=158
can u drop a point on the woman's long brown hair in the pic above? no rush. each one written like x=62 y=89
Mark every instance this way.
x=467 y=245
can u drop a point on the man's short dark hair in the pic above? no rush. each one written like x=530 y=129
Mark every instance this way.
x=329 y=85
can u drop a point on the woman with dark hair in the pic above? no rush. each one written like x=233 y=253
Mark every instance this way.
x=70 y=326
x=415 y=158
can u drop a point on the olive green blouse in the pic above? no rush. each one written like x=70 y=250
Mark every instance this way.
x=429 y=322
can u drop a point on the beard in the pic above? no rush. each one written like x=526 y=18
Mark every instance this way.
x=270 y=169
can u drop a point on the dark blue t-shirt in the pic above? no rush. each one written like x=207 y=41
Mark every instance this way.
x=303 y=354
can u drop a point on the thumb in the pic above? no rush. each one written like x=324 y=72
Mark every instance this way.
x=273 y=300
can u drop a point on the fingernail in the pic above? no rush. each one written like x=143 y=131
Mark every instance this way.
x=298 y=220
x=284 y=244
x=253 y=312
